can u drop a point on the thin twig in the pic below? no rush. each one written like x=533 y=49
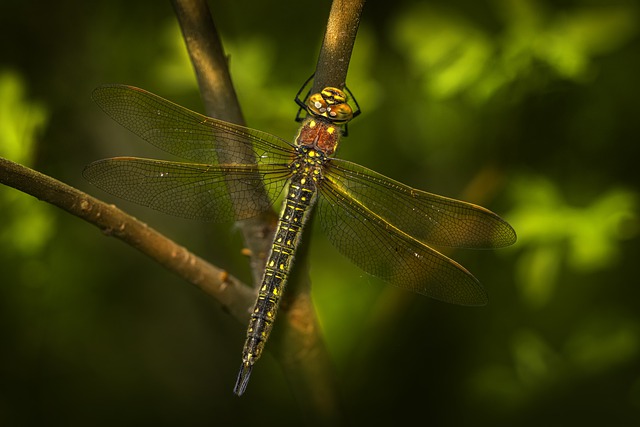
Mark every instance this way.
x=208 y=59
x=229 y=291
x=216 y=88
x=339 y=38
x=297 y=339
x=304 y=356
x=300 y=347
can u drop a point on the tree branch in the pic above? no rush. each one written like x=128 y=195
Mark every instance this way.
x=235 y=297
x=304 y=357
x=299 y=344
x=209 y=60
x=296 y=339
x=300 y=347
x=220 y=101
x=339 y=38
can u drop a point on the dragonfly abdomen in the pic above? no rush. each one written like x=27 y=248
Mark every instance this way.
x=295 y=212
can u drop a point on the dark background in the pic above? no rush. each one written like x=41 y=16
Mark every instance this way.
x=528 y=107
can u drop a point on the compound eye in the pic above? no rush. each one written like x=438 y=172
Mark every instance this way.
x=317 y=104
x=333 y=95
x=340 y=113
x=330 y=103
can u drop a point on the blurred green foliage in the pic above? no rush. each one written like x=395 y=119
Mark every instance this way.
x=454 y=56
x=28 y=225
x=528 y=107
x=20 y=119
x=553 y=234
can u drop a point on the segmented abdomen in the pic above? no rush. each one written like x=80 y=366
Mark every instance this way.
x=300 y=198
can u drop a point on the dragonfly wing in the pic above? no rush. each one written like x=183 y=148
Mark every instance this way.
x=384 y=251
x=427 y=217
x=185 y=133
x=189 y=190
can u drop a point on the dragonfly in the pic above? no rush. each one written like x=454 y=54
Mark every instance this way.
x=386 y=228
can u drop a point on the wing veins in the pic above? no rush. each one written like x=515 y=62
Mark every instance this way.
x=182 y=132
x=197 y=191
x=449 y=281
x=428 y=217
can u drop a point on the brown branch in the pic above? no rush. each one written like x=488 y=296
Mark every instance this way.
x=216 y=88
x=303 y=354
x=209 y=60
x=339 y=38
x=235 y=297
x=297 y=338
x=300 y=346
x=301 y=350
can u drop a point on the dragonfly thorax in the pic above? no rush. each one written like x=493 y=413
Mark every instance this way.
x=320 y=134
x=308 y=164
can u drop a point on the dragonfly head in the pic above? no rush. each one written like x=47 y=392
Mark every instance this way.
x=331 y=103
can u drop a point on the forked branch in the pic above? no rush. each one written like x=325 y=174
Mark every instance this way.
x=297 y=340
x=300 y=347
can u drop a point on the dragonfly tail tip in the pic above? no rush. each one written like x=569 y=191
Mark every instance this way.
x=243 y=378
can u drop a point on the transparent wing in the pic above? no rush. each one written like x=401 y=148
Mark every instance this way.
x=426 y=217
x=229 y=160
x=185 y=133
x=189 y=190
x=384 y=251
